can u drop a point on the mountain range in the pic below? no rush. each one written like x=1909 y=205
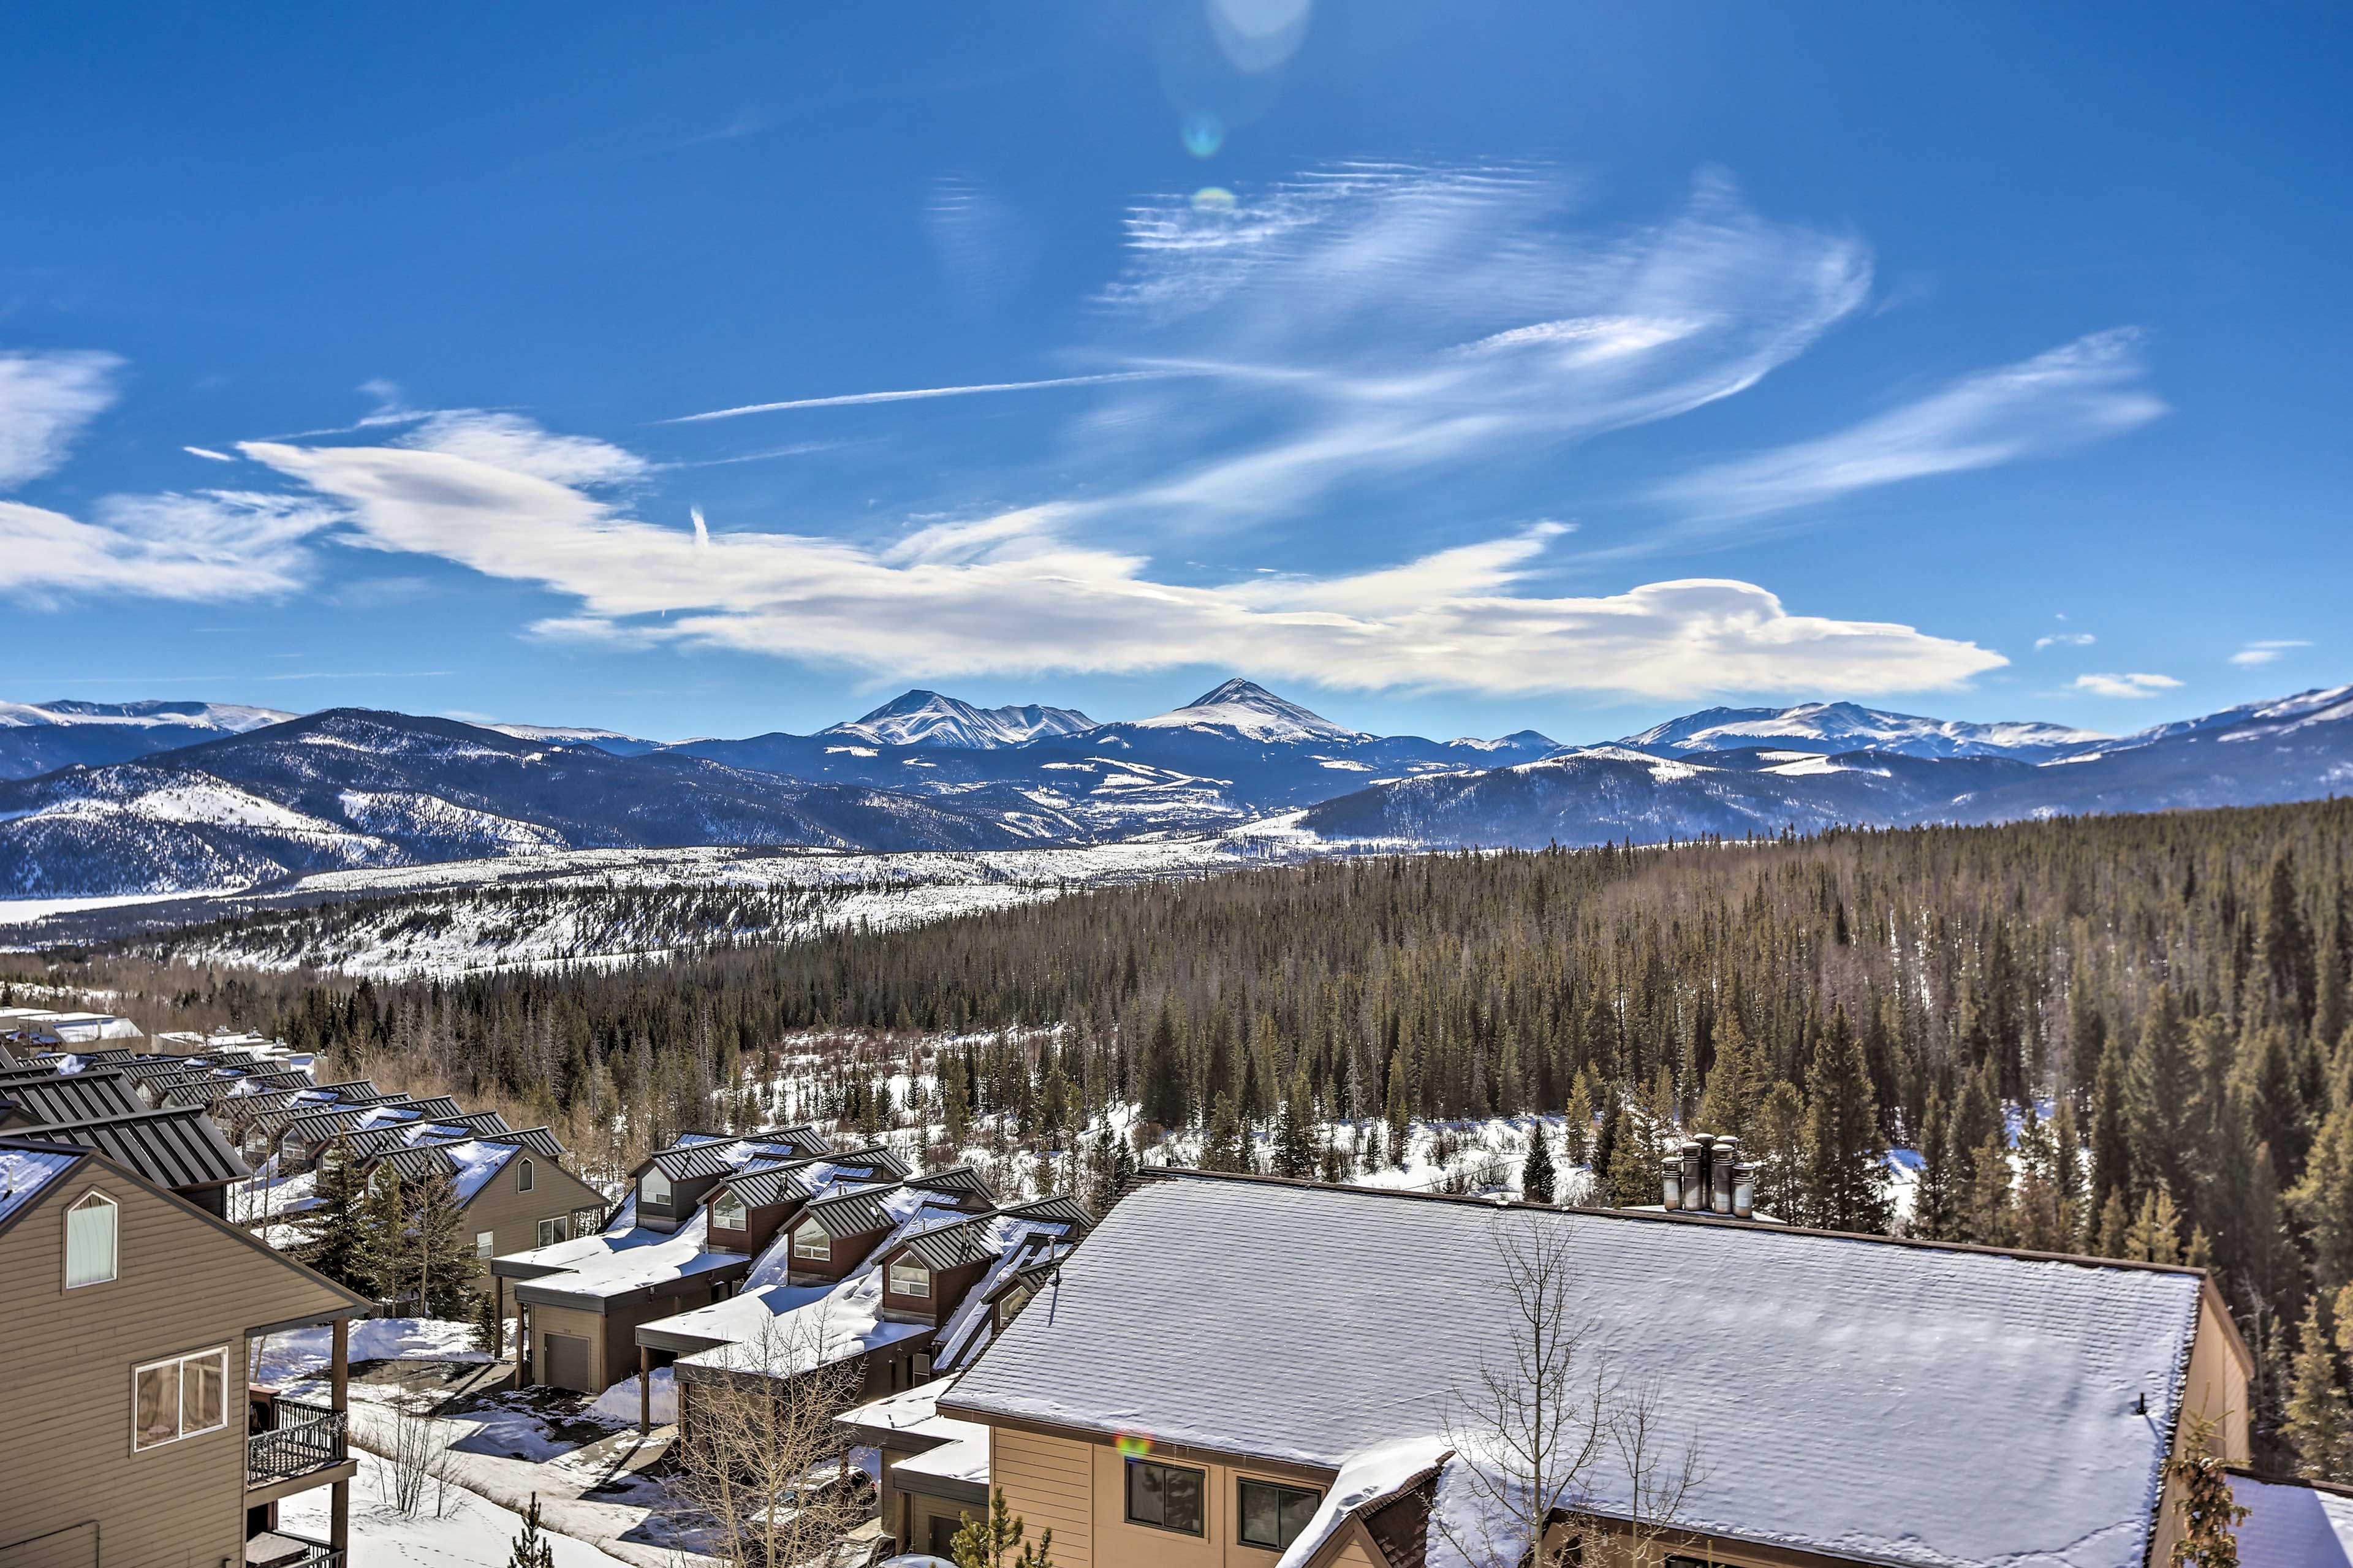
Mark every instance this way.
x=118 y=799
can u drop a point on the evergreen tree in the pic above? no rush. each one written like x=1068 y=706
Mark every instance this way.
x=1223 y=1146
x=1632 y=1178
x=1845 y=1182
x=1937 y=1200
x=1537 y=1171
x=1780 y=1152
x=984 y=1543
x=2112 y=1236
x=1727 y=1104
x=2111 y=1172
x=1294 y=1131
x=2320 y=1421
x=336 y=1231
x=1578 y=1135
x=531 y=1548
x=2159 y=1089
x=2324 y=1202
x=413 y=1247
x=2209 y=1513
x=2155 y=1235
x=1986 y=1216
x=490 y=1329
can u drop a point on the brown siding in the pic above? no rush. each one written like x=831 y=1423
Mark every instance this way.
x=1048 y=1481
x=512 y=1215
x=65 y=1359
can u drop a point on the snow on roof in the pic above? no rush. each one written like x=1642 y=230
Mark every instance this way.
x=1026 y=1244
x=2292 y=1526
x=1369 y=1476
x=963 y=1457
x=1877 y=1394
x=613 y=1263
x=25 y=1172
x=476 y=1163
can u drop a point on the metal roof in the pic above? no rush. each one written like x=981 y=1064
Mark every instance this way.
x=961 y=1184
x=768 y=1185
x=538 y=1139
x=859 y=1213
x=177 y=1148
x=71 y=1097
x=978 y=1239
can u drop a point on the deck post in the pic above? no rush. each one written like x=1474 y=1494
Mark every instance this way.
x=338 y=1398
x=645 y=1390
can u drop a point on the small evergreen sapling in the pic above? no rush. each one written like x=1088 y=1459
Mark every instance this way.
x=984 y=1543
x=1536 y=1174
x=531 y=1548
x=2209 y=1514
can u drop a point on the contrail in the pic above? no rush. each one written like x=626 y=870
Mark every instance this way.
x=856 y=397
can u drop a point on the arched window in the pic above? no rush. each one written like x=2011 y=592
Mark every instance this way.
x=653 y=1188
x=89 y=1241
x=729 y=1213
x=527 y=1178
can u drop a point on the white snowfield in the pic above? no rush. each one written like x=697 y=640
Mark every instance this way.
x=228 y=717
x=1868 y=1400
x=1847 y=727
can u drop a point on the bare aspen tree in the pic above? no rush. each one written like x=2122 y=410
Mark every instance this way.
x=759 y=1452
x=1556 y=1450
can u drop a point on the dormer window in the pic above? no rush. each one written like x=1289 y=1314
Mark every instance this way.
x=527 y=1177
x=729 y=1213
x=811 y=1241
x=909 y=1277
x=1009 y=1305
x=91 y=1226
x=653 y=1188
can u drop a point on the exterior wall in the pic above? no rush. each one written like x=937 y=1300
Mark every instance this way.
x=948 y=1288
x=512 y=1215
x=2217 y=1387
x=66 y=1364
x=1080 y=1491
x=849 y=1252
x=593 y=1327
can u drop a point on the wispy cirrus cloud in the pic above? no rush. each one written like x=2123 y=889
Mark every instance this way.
x=46 y=399
x=209 y=545
x=915 y=395
x=2093 y=387
x=1015 y=592
x=2064 y=639
x=2271 y=652
x=1372 y=321
x=2129 y=685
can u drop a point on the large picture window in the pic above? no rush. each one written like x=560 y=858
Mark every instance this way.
x=1166 y=1497
x=653 y=1188
x=551 y=1231
x=811 y=1241
x=729 y=1213
x=90 y=1227
x=1272 y=1515
x=179 y=1398
x=909 y=1277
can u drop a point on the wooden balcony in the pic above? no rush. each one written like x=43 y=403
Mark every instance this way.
x=301 y=1440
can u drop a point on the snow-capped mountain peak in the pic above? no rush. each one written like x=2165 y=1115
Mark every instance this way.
x=921 y=718
x=1248 y=709
x=221 y=718
x=1834 y=727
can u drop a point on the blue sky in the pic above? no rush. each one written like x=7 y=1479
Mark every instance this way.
x=1451 y=369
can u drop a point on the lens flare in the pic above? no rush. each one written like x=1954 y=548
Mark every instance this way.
x=1214 y=199
x=1204 y=133
x=1132 y=1444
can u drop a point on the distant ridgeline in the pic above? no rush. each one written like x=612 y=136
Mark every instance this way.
x=2154 y=1008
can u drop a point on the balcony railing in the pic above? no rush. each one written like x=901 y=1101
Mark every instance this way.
x=276 y=1548
x=306 y=1437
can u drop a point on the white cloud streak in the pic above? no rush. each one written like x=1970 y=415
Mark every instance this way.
x=2052 y=402
x=2064 y=639
x=212 y=546
x=2261 y=653
x=1014 y=594
x=208 y=453
x=2127 y=685
x=850 y=400
x=46 y=399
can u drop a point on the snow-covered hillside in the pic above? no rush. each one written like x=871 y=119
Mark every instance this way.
x=1833 y=727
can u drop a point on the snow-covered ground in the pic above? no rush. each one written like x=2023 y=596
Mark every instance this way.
x=472 y=1531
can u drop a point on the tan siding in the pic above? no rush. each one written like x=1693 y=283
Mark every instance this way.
x=1046 y=1481
x=66 y=1363
x=1353 y=1555
x=589 y=1326
x=512 y=1215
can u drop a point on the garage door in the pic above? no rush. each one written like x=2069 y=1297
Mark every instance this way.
x=75 y=1546
x=567 y=1362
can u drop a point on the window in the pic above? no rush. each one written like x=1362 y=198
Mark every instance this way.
x=810 y=1241
x=551 y=1231
x=1009 y=1305
x=653 y=1188
x=1166 y=1497
x=587 y=1221
x=483 y=1244
x=909 y=1277
x=526 y=1177
x=179 y=1398
x=89 y=1241
x=1272 y=1514
x=729 y=1213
